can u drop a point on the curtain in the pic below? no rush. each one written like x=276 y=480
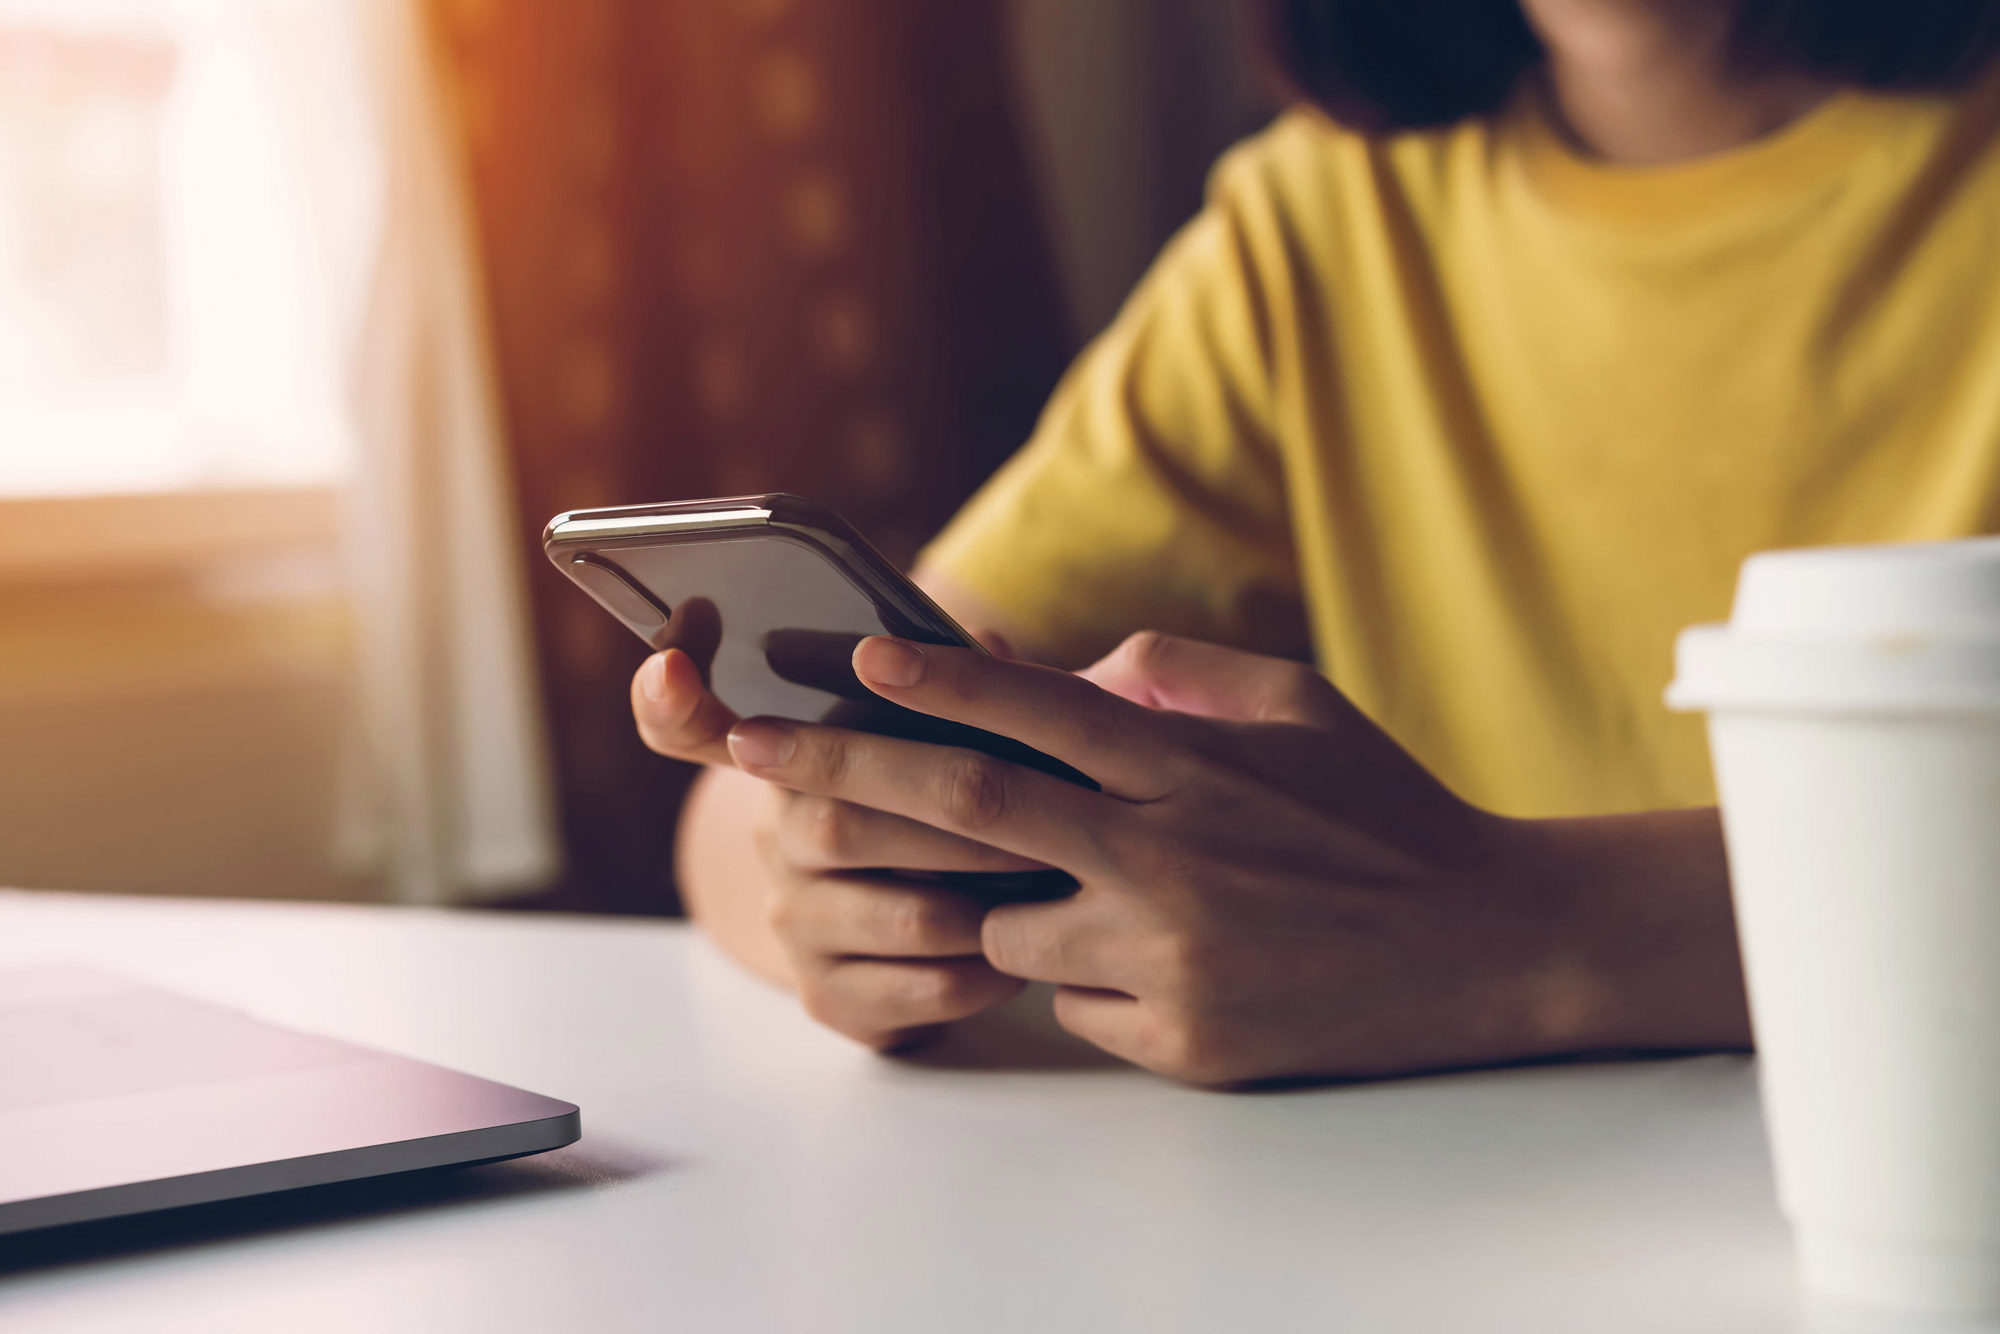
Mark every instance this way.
x=734 y=246
x=1125 y=105
x=447 y=793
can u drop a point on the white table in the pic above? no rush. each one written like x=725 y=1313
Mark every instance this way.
x=742 y=1170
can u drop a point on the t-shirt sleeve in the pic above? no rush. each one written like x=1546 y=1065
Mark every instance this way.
x=1152 y=493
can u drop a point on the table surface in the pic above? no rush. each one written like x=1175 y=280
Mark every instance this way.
x=742 y=1169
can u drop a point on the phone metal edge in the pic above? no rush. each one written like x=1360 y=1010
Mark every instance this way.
x=569 y=527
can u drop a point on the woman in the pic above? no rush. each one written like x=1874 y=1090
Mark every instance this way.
x=1473 y=383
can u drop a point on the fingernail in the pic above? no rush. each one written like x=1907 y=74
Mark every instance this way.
x=889 y=662
x=653 y=678
x=760 y=743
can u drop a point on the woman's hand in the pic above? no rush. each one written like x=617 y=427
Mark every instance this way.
x=880 y=961
x=883 y=962
x=1270 y=886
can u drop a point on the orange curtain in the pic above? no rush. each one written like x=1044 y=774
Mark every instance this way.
x=734 y=246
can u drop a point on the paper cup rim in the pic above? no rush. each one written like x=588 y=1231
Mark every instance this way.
x=1719 y=667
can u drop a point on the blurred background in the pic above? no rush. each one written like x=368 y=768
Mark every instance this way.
x=312 y=312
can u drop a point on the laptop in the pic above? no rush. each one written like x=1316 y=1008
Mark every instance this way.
x=120 y=1098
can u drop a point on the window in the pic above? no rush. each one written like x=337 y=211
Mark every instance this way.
x=162 y=326
x=171 y=627
x=227 y=241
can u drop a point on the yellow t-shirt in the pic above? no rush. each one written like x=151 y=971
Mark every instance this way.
x=1480 y=424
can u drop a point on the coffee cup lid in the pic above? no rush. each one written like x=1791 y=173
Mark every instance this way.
x=1902 y=627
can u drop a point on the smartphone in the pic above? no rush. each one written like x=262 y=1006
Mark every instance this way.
x=769 y=595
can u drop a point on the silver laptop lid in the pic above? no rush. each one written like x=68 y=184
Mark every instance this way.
x=117 y=1097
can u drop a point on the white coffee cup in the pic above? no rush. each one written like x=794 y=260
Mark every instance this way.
x=1854 y=717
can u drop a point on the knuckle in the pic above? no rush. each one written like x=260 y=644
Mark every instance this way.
x=1300 y=694
x=765 y=836
x=1143 y=653
x=826 y=1006
x=952 y=676
x=772 y=811
x=818 y=1004
x=1098 y=726
x=923 y=989
x=936 y=991
x=1194 y=1052
x=964 y=991
x=1180 y=963
x=810 y=761
x=1179 y=959
x=908 y=923
x=1146 y=647
x=769 y=845
x=947 y=926
x=1184 y=954
x=848 y=1015
x=823 y=761
x=974 y=793
x=827 y=826
x=1069 y=1016
x=782 y=911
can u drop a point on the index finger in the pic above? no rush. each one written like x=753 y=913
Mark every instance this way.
x=964 y=792
x=1127 y=748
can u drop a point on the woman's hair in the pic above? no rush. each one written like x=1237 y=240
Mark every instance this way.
x=1383 y=65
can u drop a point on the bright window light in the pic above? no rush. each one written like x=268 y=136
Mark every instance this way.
x=163 y=321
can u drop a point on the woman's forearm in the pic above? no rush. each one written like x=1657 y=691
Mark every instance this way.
x=1654 y=931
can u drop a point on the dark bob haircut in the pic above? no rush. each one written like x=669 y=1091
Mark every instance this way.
x=1385 y=65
